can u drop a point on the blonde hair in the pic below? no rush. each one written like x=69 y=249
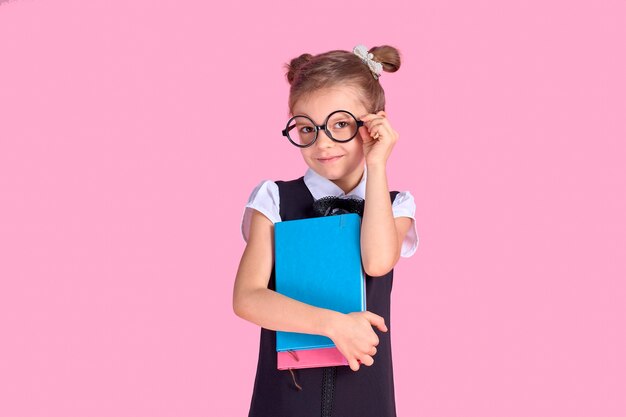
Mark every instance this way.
x=308 y=73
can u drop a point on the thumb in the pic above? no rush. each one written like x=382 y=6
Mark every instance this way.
x=365 y=134
x=376 y=320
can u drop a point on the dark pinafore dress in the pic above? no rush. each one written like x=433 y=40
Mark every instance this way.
x=331 y=391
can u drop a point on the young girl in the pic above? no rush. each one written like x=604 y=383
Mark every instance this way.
x=339 y=124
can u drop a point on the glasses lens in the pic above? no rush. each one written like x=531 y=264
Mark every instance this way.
x=342 y=126
x=301 y=130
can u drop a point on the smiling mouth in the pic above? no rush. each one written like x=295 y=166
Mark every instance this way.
x=329 y=159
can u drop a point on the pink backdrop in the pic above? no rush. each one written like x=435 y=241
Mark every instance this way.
x=131 y=135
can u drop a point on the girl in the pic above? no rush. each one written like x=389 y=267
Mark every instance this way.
x=338 y=122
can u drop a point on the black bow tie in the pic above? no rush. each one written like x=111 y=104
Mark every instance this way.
x=331 y=206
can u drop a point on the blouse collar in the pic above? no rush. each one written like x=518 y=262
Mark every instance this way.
x=321 y=187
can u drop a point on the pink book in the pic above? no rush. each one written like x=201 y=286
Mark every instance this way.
x=310 y=358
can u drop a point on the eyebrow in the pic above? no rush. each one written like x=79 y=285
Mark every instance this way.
x=310 y=117
x=304 y=114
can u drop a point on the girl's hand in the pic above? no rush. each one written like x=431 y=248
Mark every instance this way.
x=354 y=337
x=378 y=138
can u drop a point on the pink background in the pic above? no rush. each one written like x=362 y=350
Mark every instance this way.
x=131 y=135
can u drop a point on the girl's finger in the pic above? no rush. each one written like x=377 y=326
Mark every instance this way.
x=376 y=320
x=365 y=135
x=382 y=128
x=374 y=122
x=354 y=364
x=369 y=117
x=367 y=360
x=375 y=125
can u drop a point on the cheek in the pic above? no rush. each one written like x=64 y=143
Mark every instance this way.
x=306 y=153
x=355 y=147
x=357 y=143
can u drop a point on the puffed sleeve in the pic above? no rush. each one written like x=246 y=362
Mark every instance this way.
x=404 y=206
x=265 y=199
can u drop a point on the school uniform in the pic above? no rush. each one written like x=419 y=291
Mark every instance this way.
x=331 y=391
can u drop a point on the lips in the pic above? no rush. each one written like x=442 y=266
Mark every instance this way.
x=329 y=158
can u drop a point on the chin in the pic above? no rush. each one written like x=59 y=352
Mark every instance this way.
x=331 y=171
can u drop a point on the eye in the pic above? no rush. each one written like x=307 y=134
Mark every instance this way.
x=341 y=124
x=306 y=129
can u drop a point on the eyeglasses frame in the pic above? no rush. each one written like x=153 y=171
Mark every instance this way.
x=323 y=126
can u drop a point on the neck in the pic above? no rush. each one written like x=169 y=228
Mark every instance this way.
x=349 y=182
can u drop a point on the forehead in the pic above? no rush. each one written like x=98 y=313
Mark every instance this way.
x=321 y=103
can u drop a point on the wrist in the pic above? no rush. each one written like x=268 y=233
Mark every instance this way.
x=375 y=166
x=328 y=322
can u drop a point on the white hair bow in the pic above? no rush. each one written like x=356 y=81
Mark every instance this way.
x=376 y=67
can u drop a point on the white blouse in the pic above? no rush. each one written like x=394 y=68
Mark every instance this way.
x=265 y=199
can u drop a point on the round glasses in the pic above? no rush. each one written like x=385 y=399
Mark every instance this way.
x=341 y=126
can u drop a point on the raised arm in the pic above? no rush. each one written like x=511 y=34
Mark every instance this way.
x=381 y=233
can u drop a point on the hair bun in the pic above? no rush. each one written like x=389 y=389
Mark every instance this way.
x=388 y=56
x=295 y=65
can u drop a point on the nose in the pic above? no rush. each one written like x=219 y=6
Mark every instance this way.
x=323 y=140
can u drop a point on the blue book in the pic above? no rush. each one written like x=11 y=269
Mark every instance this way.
x=318 y=261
